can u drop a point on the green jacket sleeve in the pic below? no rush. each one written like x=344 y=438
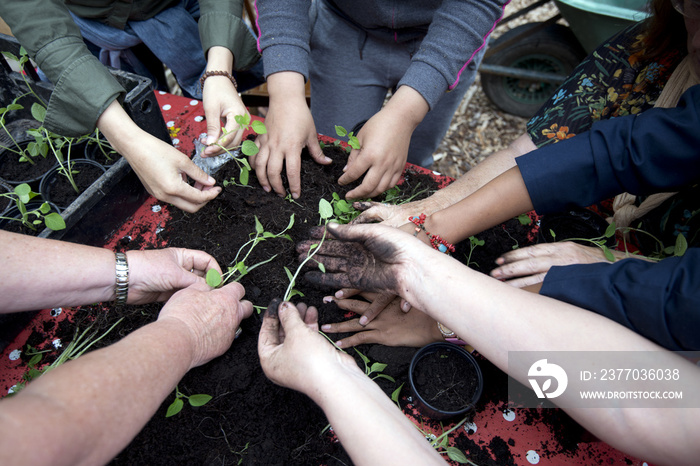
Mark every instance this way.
x=84 y=88
x=221 y=24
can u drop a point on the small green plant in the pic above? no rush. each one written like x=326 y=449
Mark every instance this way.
x=21 y=195
x=474 y=243
x=248 y=147
x=194 y=400
x=396 y=196
x=80 y=344
x=377 y=368
x=524 y=219
x=239 y=267
x=325 y=211
x=353 y=142
x=343 y=210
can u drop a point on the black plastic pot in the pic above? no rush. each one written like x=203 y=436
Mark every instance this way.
x=5 y=202
x=11 y=221
x=11 y=169
x=54 y=176
x=430 y=364
x=102 y=152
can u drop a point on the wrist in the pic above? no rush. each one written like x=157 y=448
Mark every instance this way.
x=121 y=281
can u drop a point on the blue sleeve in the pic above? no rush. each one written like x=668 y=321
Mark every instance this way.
x=655 y=151
x=658 y=300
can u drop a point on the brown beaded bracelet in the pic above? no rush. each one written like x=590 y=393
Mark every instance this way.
x=217 y=73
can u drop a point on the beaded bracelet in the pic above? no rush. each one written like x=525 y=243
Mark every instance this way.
x=226 y=74
x=435 y=240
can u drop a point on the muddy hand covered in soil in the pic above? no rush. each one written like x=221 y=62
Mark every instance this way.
x=249 y=419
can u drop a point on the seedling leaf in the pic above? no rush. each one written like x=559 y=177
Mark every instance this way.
x=325 y=209
x=175 y=407
x=54 y=222
x=457 y=455
x=340 y=131
x=681 y=245
x=199 y=400
x=213 y=278
x=38 y=112
x=258 y=127
x=610 y=230
x=249 y=148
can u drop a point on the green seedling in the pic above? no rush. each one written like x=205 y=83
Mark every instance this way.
x=325 y=211
x=524 y=219
x=239 y=269
x=377 y=368
x=474 y=243
x=194 y=400
x=396 y=196
x=343 y=210
x=247 y=147
x=678 y=249
x=291 y=200
x=353 y=142
x=80 y=344
x=21 y=195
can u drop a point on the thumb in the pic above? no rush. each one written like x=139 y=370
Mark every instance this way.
x=197 y=174
x=269 y=330
x=213 y=131
x=316 y=152
x=289 y=317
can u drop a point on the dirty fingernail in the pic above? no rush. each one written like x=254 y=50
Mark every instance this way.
x=273 y=307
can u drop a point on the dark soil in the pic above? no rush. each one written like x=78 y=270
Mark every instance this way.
x=250 y=420
x=24 y=172
x=57 y=189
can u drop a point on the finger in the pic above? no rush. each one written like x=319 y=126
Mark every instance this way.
x=259 y=162
x=405 y=305
x=269 y=330
x=316 y=152
x=293 y=176
x=524 y=253
x=371 y=212
x=527 y=281
x=246 y=308
x=368 y=188
x=353 y=305
x=201 y=261
x=347 y=326
x=353 y=170
x=289 y=317
x=331 y=280
x=360 y=338
x=380 y=302
x=274 y=174
x=197 y=174
x=190 y=199
x=311 y=318
x=347 y=293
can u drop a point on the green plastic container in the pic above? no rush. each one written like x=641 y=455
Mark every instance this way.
x=594 y=21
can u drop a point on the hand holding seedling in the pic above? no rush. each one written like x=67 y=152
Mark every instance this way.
x=155 y=275
x=393 y=327
x=368 y=257
x=211 y=317
x=292 y=352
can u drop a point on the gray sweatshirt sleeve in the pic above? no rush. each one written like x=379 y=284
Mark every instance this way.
x=458 y=31
x=284 y=35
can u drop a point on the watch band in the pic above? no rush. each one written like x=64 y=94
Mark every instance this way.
x=121 y=284
x=450 y=336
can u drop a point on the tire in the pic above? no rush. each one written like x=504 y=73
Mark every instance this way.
x=554 y=49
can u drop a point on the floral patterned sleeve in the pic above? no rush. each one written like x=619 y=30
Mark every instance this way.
x=610 y=82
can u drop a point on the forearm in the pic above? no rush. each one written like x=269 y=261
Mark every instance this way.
x=100 y=400
x=499 y=200
x=482 y=173
x=370 y=427
x=220 y=59
x=286 y=88
x=38 y=273
x=538 y=323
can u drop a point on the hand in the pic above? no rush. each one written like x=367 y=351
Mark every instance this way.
x=368 y=257
x=528 y=266
x=384 y=141
x=384 y=144
x=393 y=327
x=379 y=302
x=292 y=352
x=290 y=128
x=221 y=101
x=154 y=275
x=162 y=169
x=211 y=316
x=393 y=215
